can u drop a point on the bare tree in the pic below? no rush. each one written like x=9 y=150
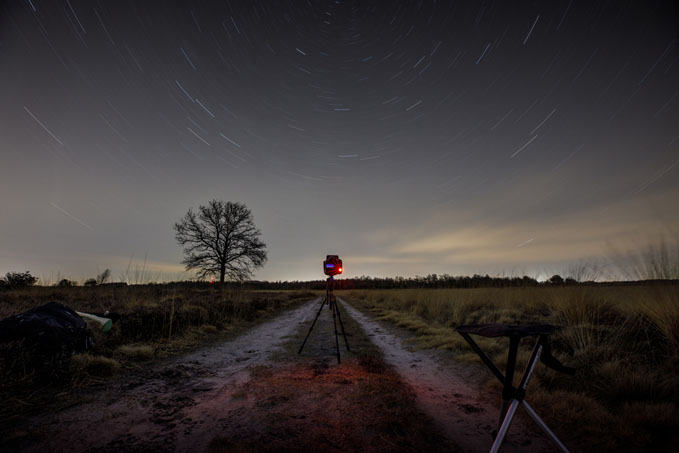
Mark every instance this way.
x=221 y=239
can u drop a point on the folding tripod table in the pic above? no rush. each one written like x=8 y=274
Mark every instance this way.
x=513 y=397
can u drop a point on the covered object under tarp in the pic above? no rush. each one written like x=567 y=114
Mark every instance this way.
x=47 y=330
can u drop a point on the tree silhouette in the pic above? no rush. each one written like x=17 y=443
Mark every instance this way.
x=556 y=280
x=64 y=282
x=18 y=279
x=221 y=239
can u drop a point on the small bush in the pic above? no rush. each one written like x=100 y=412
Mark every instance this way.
x=103 y=277
x=64 y=282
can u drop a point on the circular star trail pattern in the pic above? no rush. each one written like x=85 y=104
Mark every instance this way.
x=409 y=137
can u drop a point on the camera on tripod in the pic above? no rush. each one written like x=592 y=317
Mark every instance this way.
x=332 y=265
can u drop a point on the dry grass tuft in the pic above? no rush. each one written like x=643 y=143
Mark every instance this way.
x=94 y=365
x=209 y=329
x=136 y=352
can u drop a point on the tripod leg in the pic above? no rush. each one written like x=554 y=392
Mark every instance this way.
x=334 y=320
x=342 y=326
x=544 y=427
x=508 y=384
x=328 y=291
x=505 y=426
x=312 y=326
x=503 y=413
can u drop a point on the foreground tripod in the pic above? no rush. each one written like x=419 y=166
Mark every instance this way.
x=334 y=307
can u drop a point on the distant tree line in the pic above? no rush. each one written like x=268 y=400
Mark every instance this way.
x=13 y=280
x=429 y=281
x=445 y=281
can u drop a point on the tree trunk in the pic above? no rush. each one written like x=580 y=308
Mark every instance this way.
x=222 y=273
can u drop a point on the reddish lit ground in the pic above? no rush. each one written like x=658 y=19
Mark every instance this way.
x=312 y=406
x=255 y=393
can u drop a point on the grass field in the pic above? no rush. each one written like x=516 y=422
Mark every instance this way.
x=623 y=340
x=155 y=321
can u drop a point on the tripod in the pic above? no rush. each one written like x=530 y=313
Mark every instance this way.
x=334 y=307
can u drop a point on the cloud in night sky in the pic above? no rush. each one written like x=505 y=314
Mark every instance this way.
x=408 y=137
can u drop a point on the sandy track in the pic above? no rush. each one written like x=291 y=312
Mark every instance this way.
x=177 y=405
x=182 y=403
x=446 y=391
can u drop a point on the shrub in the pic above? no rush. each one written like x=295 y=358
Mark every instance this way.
x=103 y=277
x=90 y=282
x=19 y=279
x=556 y=280
x=64 y=282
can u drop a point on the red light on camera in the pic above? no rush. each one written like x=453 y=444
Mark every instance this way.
x=332 y=265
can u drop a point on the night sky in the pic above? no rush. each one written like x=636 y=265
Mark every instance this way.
x=409 y=137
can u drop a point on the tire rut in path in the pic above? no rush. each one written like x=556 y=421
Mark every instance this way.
x=444 y=392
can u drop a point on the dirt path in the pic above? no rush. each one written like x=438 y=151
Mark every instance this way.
x=255 y=393
x=445 y=391
x=178 y=405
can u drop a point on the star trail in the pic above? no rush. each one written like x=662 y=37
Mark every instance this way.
x=409 y=137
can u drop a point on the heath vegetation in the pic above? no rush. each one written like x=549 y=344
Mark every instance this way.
x=623 y=340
